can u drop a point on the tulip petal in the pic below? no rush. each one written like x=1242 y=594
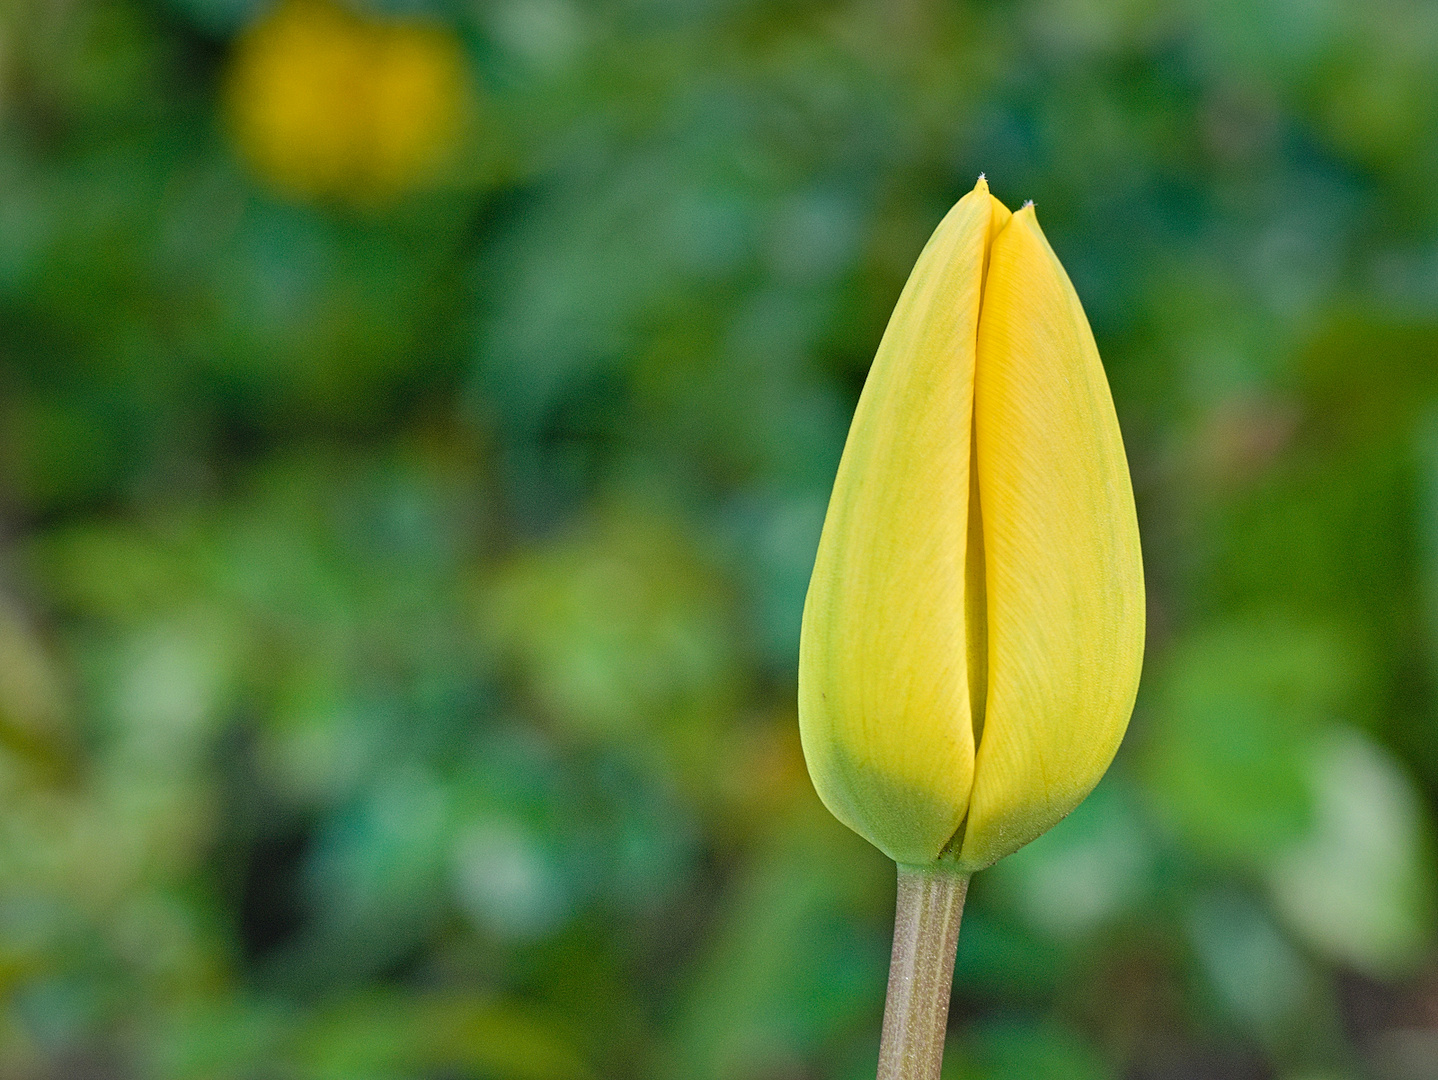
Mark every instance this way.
x=1063 y=573
x=884 y=708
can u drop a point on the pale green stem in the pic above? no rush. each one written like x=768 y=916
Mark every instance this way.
x=921 y=972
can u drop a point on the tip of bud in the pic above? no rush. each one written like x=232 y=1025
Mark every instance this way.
x=1028 y=204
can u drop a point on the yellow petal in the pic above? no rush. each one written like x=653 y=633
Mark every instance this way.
x=1063 y=574
x=884 y=706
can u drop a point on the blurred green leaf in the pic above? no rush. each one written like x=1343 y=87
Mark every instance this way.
x=619 y=630
x=798 y=959
x=1013 y=1049
x=1233 y=721
x=1094 y=866
x=1360 y=885
x=381 y=1037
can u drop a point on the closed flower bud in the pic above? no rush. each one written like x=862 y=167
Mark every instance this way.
x=974 y=626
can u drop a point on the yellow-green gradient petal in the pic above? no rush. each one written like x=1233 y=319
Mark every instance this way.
x=883 y=682
x=1063 y=572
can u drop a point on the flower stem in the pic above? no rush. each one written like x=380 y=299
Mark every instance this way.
x=921 y=972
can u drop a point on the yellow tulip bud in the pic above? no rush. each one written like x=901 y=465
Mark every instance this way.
x=974 y=626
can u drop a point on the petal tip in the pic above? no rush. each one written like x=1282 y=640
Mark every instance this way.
x=1027 y=216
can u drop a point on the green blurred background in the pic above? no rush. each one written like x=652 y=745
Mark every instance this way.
x=416 y=420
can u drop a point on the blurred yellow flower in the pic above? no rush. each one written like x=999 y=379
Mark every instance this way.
x=974 y=627
x=325 y=103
